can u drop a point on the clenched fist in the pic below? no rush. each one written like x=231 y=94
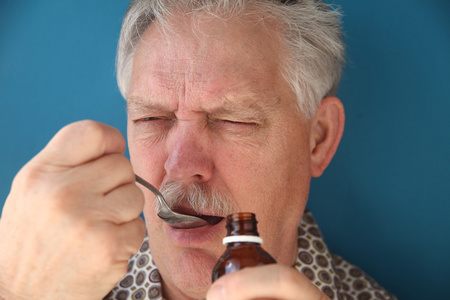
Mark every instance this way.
x=71 y=220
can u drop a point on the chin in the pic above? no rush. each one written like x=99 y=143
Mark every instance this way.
x=191 y=272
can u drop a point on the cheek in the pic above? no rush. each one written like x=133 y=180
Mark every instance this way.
x=278 y=164
x=148 y=162
x=271 y=180
x=147 y=159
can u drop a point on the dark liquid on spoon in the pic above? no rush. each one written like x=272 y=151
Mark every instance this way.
x=212 y=220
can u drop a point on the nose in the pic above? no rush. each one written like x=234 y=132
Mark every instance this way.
x=188 y=159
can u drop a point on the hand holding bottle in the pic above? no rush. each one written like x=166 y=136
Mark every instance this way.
x=248 y=272
x=273 y=281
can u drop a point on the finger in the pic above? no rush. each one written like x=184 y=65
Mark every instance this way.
x=80 y=142
x=105 y=173
x=131 y=235
x=122 y=204
x=271 y=281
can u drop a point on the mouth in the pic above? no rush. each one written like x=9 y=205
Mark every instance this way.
x=196 y=235
x=210 y=218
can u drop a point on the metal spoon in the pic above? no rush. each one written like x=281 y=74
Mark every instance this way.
x=177 y=219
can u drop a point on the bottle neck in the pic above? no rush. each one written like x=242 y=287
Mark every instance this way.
x=242 y=224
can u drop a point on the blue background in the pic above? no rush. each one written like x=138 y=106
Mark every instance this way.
x=384 y=201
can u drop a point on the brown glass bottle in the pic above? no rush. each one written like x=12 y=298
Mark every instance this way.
x=243 y=246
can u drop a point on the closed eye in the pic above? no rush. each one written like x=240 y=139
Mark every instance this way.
x=238 y=122
x=154 y=125
x=248 y=123
x=234 y=126
x=150 y=119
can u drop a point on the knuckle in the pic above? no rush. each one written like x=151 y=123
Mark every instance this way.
x=135 y=196
x=75 y=144
x=28 y=177
x=138 y=233
x=139 y=228
x=81 y=127
x=33 y=180
x=93 y=131
x=121 y=165
x=142 y=229
x=86 y=131
x=87 y=125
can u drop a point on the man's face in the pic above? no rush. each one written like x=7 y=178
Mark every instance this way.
x=209 y=106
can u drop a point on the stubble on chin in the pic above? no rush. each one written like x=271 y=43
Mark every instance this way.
x=190 y=273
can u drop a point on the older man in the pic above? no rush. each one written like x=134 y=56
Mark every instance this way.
x=231 y=107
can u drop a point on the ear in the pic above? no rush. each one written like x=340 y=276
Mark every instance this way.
x=327 y=128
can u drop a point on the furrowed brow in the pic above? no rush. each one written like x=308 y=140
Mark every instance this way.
x=237 y=112
x=139 y=106
x=245 y=108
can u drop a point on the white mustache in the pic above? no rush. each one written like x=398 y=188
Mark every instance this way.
x=199 y=196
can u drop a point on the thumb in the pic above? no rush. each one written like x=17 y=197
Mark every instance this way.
x=81 y=142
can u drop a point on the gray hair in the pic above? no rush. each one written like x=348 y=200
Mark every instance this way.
x=310 y=29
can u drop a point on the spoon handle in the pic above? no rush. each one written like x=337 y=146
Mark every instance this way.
x=148 y=185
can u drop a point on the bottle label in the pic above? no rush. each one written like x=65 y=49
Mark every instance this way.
x=242 y=238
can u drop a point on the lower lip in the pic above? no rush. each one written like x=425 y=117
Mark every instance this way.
x=196 y=237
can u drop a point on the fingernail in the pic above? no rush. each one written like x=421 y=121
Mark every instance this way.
x=216 y=292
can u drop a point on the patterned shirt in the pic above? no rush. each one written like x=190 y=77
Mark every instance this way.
x=330 y=273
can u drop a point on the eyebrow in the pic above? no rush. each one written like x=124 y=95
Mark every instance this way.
x=137 y=104
x=241 y=108
x=244 y=107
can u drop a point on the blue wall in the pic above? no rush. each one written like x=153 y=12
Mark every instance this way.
x=384 y=201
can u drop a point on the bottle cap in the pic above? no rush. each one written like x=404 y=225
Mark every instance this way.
x=242 y=238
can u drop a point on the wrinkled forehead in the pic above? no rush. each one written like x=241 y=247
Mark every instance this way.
x=207 y=50
x=247 y=34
